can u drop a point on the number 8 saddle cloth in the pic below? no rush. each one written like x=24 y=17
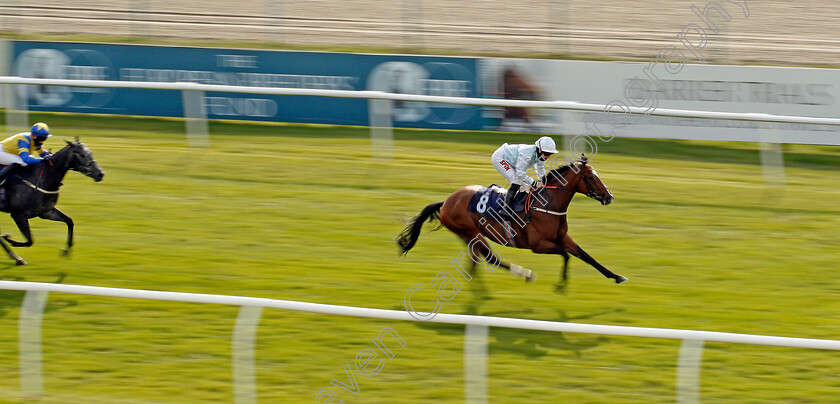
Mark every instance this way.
x=490 y=202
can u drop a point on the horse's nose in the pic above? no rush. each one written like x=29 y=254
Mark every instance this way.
x=99 y=177
x=608 y=200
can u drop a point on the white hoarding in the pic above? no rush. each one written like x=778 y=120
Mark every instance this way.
x=772 y=90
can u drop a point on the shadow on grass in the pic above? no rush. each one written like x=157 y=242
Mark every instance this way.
x=527 y=343
x=12 y=299
x=531 y=343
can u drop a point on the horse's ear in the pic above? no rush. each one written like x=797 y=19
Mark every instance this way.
x=68 y=143
x=77 y=139
x=583 y=159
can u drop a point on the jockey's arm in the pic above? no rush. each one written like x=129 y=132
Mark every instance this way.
x=522 y=166
x=24 y=155
x=540 y=168
x=23 y=152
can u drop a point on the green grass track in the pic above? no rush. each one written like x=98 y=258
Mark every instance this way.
x=305 y=213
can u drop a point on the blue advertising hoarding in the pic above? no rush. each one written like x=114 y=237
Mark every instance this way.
x=428 y=75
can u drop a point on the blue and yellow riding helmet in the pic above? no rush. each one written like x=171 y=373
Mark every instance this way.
x=41 y=130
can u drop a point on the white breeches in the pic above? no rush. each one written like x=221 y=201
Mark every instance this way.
x=507 y=169
x=7 y=158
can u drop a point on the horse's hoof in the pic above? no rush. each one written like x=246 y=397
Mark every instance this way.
x=560 y=288
x=20 y=262
x=65 y=252
x=620 y=279
x=531 y=277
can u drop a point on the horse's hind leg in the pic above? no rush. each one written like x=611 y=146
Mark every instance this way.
x=471 y=272
x=575 y=250
x=59 y=216
x=22 y=223
x=12 y=254
x=478 y=248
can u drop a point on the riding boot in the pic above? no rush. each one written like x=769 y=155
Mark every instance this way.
x=509 y=198
x=4 y=173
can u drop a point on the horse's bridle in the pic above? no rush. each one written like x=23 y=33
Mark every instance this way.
x=37 y=186
x=86 y=169
x=590 y=187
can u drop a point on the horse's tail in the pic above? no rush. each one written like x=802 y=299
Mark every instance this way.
x=409 y=235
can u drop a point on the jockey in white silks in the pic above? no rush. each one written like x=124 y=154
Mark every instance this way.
x=513 y=160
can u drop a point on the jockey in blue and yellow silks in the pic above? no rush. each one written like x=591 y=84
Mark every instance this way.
x=23 y=149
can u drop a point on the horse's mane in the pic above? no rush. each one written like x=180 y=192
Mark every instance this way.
x=64 y=149
x=558 y=172
x=69 y=147
x=60 y=154
x=33 y=172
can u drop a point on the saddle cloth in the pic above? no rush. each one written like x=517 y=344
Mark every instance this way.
x=489 y=201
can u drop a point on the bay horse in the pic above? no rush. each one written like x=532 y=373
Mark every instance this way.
x=542 y=227
x=32 y=191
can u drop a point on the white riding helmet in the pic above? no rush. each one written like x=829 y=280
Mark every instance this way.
x=546 y=144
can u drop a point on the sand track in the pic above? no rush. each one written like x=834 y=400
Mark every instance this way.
x=776 y=31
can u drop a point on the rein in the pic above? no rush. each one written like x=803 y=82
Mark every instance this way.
x=528 y=207
x=551 y=212
x=36 y=186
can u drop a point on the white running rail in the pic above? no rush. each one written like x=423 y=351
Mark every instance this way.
x=475 y=335
x=380 y=111
x=379 y=95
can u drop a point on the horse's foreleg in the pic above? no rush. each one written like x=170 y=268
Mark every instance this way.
x=565 y=277
x=550 y=247
x=560 y=286
x=11 y=253
x=59 y=216
x=22 y=223
x=575 y=250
